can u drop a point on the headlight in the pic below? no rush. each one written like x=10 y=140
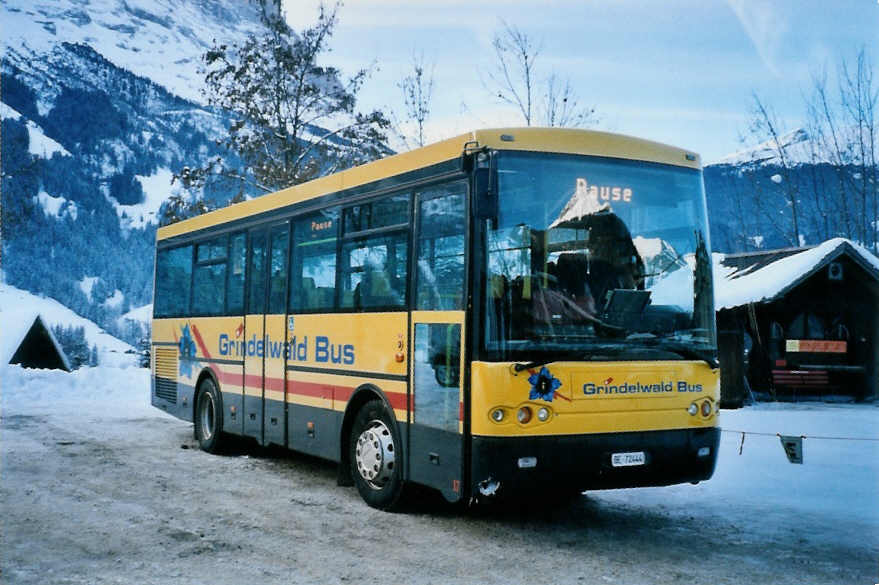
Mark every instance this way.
x=542 y=413
x=497 y=415
x=524 y=415
x=693 y=409
x=706 y=409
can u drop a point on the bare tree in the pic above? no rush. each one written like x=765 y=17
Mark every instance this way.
x=514 y=79
x=417 y=89
x=561 y=106
x=513 y=74
x=858 y=98
x=845 y=129
x=765 y=128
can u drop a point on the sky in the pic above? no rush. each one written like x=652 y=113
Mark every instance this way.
x=680 y=72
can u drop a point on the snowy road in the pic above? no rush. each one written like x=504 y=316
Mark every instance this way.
x=98 y=487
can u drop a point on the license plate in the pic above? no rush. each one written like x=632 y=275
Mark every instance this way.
x=628 y=459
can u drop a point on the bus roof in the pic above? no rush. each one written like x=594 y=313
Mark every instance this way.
x=558 y=140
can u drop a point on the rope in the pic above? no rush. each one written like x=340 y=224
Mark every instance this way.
x=743 y=433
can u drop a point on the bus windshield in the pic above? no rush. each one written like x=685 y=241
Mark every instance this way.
x=593 y=255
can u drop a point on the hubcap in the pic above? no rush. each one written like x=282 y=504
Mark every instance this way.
x=374 y=454
x=206 y=412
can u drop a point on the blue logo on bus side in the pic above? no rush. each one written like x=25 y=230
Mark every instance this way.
x=186 y=348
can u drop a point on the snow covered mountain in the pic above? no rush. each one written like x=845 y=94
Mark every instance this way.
x=100 y=105
x=798 y=147
x=751 y=193
x=160 y=40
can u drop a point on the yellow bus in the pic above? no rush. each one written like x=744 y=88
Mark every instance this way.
x=507 y=310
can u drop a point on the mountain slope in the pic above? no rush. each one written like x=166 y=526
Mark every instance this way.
x=99 y=108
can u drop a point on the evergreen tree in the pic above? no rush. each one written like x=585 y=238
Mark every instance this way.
x=73 y=342
x=280 y=99
x=144 y=348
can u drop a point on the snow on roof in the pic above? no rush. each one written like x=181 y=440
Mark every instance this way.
x=12 y=331
x=15 y=327
x=16 y=304
x=735 y=286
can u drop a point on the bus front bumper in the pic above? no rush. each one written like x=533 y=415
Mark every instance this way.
x=504 y=465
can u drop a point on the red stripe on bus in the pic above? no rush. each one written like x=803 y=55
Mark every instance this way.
x=397 y=400
x=343 y=394
x=325 y=391
x=275 y=384
x=231 y=378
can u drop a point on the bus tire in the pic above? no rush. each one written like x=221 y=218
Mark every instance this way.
x=375 y=456
x=209 y=417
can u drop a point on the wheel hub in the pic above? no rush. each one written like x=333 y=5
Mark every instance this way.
x=374 y=454
x=206 y=405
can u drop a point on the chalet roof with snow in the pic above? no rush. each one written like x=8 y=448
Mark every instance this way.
x=26 y=340
x=765 y=276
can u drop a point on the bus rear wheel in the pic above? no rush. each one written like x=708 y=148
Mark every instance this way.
x=209 y=417
x=375 y=458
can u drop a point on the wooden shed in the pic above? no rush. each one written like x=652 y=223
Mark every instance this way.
x=799 y=323
x=28 y=342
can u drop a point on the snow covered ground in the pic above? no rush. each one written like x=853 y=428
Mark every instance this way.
x=96 y=489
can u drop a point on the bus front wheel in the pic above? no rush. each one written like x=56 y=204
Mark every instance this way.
x=375 y=458
x=209 y=417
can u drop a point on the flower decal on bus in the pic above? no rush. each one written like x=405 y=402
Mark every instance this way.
x=543 y=385
x=186 y=346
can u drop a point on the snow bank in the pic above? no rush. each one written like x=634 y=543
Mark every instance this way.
x=14 y=303
x=831 y=498
x=104 y=391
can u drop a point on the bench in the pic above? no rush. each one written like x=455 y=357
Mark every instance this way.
x=804 y=379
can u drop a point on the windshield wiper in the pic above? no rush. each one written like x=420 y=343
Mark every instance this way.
x=529 y=365
x=684 y=351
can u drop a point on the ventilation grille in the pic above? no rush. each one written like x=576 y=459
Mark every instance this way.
x=166 y=374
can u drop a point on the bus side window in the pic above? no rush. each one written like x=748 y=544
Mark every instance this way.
x=442 y=216
x=173 y=281
x=257 y=271
x=313 y=262
x=375 y=271
x=209 y=278
x=278 y=269
x=375 y=264
x=236 y=273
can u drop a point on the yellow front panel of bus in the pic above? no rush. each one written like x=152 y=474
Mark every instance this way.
x=593 y=397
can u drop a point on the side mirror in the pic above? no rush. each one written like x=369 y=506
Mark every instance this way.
x=485 y=193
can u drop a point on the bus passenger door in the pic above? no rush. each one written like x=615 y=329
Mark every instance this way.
x=254 y=332
x=437 y=430
x=274 y=353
